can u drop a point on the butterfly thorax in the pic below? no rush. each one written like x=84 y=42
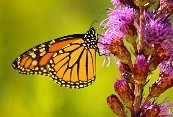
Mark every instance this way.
x=91 y=39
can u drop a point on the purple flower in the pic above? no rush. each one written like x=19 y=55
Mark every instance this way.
x=142 y=41
x=152 y=109
x=118 y=26
x=119 y=20
x=115 y=2
x=166 y=67
x=157 y=30
x=123 y=3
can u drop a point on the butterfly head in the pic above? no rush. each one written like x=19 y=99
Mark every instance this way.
x=91 y=39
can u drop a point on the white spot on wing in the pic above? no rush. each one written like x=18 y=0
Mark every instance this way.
x=60 y=51
x=43 y=53
x=34 y=62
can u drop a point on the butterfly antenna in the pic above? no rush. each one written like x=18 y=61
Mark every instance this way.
x=98 y=17
x=93 y=23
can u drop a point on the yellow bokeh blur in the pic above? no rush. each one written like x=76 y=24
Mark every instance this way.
x=24 y=24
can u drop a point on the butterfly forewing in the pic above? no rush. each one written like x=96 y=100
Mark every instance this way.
x=69 y=60
x=35 y=60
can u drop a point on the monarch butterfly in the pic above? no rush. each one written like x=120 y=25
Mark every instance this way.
x=70 y=60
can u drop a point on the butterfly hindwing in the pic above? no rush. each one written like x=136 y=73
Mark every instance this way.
x=69 y=61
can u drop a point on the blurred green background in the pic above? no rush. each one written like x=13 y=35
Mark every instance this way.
x=24 y=24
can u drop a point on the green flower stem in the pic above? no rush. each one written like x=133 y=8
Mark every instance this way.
x=141 y=34
x=138 y=97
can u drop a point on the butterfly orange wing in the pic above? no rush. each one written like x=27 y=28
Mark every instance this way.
x=69 y=61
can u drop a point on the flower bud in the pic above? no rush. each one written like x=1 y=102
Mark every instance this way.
x=143 y=2
x=116 y=105
x=131 y=35
x=164 y=83
x=165 y=6
x=162 y=53
x=151 y=111
x=165 y=80
x=140 y=69
x=124 y=91
x=126 y=72
x=148 y=49
x=117 y=48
